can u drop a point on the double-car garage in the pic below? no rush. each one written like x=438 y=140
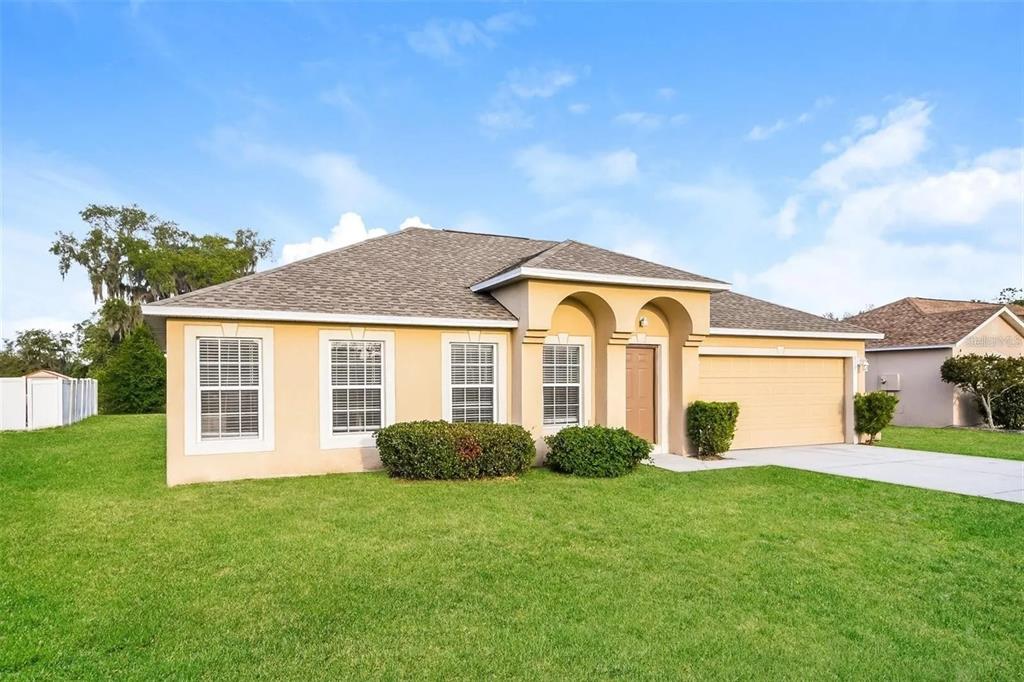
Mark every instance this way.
x=783 y=400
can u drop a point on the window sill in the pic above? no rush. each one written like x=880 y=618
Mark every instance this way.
x=342 y=441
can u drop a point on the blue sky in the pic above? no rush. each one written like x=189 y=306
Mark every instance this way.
x=822 y=156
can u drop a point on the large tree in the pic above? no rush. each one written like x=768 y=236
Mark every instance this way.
x=1011 y=296
x=137 y=257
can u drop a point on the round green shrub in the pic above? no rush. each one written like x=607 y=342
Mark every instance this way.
x=1008 y=409
x=872 y=412
x=595 y=451
x=439 y=450
x=711 y=426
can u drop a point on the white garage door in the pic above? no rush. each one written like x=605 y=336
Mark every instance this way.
x=783 y=401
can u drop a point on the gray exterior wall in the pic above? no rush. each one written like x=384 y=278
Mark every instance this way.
x=924 y=399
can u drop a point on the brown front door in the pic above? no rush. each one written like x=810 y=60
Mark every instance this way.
x=640 y=391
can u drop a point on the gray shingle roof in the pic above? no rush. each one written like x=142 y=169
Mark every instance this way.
x=573 y=256
x=412 y=273
x=421 y=272
x=736 y=311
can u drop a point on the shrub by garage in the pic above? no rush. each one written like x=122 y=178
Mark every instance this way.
x=595 y=451
x=711 y=426
x=437 y=450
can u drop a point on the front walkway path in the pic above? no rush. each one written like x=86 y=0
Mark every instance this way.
x=999 y=479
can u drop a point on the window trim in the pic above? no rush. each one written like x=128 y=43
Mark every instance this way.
x=500 y=375
x=194 y=444
x=333 y=441
x=586 y=380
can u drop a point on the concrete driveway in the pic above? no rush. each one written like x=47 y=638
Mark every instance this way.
x=999 y=479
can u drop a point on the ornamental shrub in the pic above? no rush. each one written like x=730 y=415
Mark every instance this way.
x=711 y=426
x=1008 y=409
x=595 y=451
x=134 y=378
x=872 y=412
x=438 y=450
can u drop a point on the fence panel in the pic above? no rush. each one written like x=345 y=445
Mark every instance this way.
x=13 y=408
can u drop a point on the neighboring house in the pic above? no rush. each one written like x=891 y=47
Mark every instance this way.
x=291 y=370
x=920 y=333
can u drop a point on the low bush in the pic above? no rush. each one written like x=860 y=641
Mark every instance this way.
x=872 y=412
x=711 y=426
x=1008 y=409
x=435 y=450
x=595 y=451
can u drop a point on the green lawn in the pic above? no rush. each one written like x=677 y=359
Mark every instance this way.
x=957 y=441
x=757 y=572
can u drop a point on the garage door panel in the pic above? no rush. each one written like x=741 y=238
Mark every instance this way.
x=783 y=401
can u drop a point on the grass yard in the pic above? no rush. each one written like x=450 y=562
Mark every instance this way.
x=754 y=572
x=957 y=441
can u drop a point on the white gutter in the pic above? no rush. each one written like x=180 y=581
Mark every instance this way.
x=595 y=278
x=733 y=331
x=334 y=318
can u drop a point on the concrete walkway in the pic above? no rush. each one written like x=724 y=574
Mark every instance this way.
x=999 y=479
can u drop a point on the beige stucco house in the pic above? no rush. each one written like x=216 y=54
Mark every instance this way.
x=290 y=371
x=920 y=333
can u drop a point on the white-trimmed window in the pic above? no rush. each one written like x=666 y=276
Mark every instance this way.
x=229 y=388
x=474 y=382
x=357 y=386
x=563 y=384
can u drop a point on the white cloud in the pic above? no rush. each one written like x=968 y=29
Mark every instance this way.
x=506 y=111
x=786 y=218
x=551 y=172
x=443 y=39
x=647 y=121
x=641 y=119
x=341 y=98
x=945 y=233
x=342 y=181
x=899 y=141
x=350 y=229
x=763 y=132
x=666 y=93
x=414 y=221
x=533 y=83
x=578 y=108
x=504 y=118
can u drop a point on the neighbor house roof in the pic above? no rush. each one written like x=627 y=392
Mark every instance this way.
x=921 y=322
x=422 y=274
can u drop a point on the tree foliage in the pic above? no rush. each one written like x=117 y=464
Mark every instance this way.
x=133 y=379
x=137 y=257
x=35 y=349
x=1011 y=296
x=986 y=377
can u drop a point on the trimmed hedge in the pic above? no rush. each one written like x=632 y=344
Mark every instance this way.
x=1008 y=409
x=438 y=450
x=872 y=412
x=711 y=426
x=595 y=451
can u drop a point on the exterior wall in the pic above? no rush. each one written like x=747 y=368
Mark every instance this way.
x=998 y=337
x=297 y=451
x=924 y=399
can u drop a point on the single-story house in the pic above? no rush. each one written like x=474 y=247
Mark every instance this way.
x=920 y=333
x=291 y=371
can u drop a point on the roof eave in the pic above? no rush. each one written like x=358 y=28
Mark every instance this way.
x=510 y=276
x=196 y=312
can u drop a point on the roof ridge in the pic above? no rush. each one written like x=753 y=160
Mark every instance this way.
x=844 y=323
x=482 y=234
x=541 y=256
x=315 y=256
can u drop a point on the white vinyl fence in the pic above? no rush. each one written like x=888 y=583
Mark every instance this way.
x=41 y=402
